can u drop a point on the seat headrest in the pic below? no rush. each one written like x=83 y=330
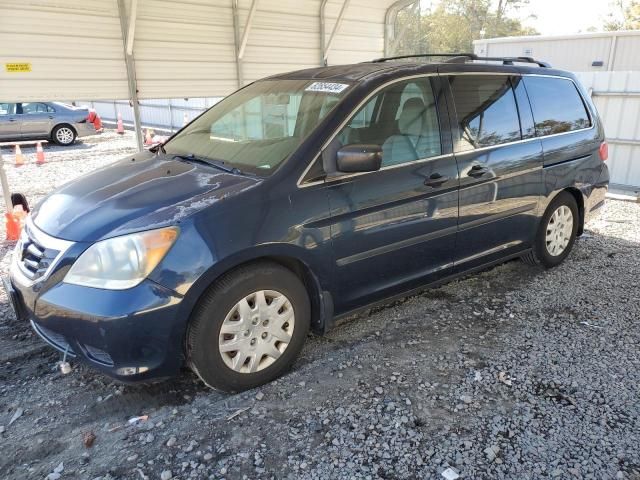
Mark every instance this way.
x=412 y=117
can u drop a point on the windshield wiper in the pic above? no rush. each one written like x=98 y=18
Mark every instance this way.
x=219 y=164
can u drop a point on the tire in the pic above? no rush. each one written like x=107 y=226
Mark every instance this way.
x=63 y=135
x=219 y=366
x=556 y=233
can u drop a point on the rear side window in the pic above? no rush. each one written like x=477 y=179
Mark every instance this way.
x=35 y=108
x=557 y=106
x=486 y=111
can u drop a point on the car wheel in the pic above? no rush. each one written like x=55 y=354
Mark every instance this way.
x=557 y=232
x=249 y=327
x=63 y=135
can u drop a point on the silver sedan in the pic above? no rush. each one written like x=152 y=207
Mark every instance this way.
x=54 y=121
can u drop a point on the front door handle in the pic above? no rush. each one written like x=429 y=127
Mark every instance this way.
x=435 y=180
x=477 y=171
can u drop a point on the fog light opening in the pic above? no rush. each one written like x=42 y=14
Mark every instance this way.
x=127 y=371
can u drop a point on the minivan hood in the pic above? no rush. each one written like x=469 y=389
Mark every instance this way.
x=137 y=193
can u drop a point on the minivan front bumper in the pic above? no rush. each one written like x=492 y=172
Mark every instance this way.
x=130 y=335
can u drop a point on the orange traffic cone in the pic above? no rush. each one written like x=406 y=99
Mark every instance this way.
x=147 y=137
x=20 y=215
x=19 y=157
x=39 y=154
x=120 y=129
x=186 y=119
x=97 y=123
x=12 y=225
x=95 y=119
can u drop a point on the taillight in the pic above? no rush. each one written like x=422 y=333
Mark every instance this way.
x=604 y=151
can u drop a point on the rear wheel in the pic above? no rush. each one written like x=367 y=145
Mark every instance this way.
x=249 y=327
x=557 y=232
x=63 y=135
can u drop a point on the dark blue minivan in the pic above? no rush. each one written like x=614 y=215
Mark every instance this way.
x=302 y=198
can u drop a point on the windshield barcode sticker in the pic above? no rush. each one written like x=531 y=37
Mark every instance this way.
x=326 y=87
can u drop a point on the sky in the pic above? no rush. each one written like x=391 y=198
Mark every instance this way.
x=558 y=17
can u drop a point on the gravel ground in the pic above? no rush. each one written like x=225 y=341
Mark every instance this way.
x=515 y=372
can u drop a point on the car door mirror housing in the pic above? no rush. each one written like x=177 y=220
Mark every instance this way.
x=359 y=158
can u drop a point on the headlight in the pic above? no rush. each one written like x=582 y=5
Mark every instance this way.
x=122 y=262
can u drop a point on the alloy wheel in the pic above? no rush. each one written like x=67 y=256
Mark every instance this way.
x=256 y=331
x=64 y=135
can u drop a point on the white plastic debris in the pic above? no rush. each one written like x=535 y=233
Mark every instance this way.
x=504 y=378
x=65 y=367
x=451 y=474
x=18 y=413
x=238 y=412
x=590 y=324
x=142 y=418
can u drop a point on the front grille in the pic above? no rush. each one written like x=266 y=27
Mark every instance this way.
x=34 y=259
x=54 y=339
x=36 y=253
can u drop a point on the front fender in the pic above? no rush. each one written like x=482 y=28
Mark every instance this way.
x=192 y=266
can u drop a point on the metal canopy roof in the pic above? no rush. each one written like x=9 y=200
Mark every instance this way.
x=129 y=49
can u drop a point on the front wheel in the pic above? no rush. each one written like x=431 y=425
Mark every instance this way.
x=249 y=327
x=63 y=135
x=557 y=232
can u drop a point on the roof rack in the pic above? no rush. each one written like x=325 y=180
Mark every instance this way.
x=512 y=60
x=465 y=57
x=471 y=56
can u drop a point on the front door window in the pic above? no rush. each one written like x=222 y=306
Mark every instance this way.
x=402 y=119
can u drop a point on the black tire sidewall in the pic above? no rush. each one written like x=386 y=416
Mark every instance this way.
x=55 y=132
x=204 y=330
x=546 y=259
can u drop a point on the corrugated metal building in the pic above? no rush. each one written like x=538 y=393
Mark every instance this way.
x=146 y=49
x=608 y=65
x=182 y=48
x=586 y=52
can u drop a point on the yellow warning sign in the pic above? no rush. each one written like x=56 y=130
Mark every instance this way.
x=17 y=67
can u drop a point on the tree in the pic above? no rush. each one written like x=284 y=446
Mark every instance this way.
x=452 y=25
x=625 y=15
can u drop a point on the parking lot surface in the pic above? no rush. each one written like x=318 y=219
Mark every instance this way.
x=516 y=372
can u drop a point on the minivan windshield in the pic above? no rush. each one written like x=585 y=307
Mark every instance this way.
x=257 y=128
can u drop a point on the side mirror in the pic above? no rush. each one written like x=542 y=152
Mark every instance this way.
x=359 y=158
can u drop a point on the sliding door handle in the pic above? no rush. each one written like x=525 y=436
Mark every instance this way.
x=435 y=180
x=477 y=171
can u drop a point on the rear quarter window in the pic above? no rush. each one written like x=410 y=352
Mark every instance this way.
x=557 y=105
